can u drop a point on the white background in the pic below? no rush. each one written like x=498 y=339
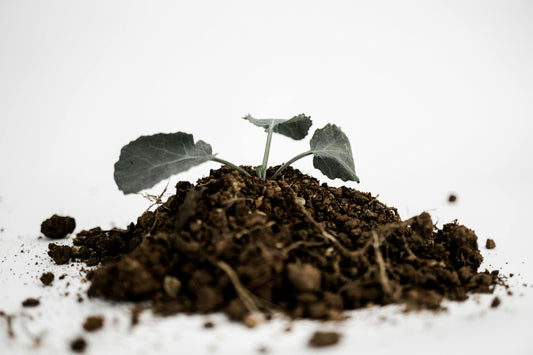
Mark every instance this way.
x=435 y=96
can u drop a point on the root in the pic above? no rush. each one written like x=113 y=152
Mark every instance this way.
x=328 y=236
x=157 y=200
x=285 y=251
x=243 y=232
x=310 y=218
x=381 y=265
x=382 y=205
x=247 y=298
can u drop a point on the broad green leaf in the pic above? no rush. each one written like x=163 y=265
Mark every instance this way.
x=150 y=159
x=295 y=128
x=332 y=153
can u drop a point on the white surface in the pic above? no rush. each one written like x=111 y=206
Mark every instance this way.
x=436 y=97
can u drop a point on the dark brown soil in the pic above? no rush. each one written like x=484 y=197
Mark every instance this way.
x=47 y=278
x=321 y=339
x=57 y=227
x=495 y=302
x=241 y=245
x=31 y=302
x=490 y=244
x=78 y=345
x=93 y=323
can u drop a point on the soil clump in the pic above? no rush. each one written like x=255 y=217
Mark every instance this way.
x=321 y=339
x=93 y=323
x=78 y=345
x=47 y=278
x=490 y=244
x=31 y=302
x=241 y=245
x=58 y=227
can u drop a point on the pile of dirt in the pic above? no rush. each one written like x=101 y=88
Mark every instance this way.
x=241 y=245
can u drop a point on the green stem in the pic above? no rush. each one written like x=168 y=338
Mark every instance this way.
x=298 y=157
x=264 y=165
x=231 y=165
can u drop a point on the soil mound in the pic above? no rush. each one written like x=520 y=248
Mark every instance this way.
x=238 y=244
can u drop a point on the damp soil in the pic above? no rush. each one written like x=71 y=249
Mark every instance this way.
x=240 y=245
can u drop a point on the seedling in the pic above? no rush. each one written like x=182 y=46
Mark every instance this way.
x=150 y=159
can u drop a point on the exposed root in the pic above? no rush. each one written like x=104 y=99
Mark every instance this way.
x=244 y=295
x=381 y=265
x=328 y=236
x=381 y=204
x=243 y=232
x=155 y=199
x=310 y=218
x=285 y=251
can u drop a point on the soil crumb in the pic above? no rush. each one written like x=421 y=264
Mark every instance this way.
x=490 y=244
x=78 y=345
x=93 y=323
x=47 y=278
x=321 y=339
x=31 y=302
x=495 y=302
x=60 y=253
x=209 y=325
x=452 y=198
x=58 y=227
x=240 y=245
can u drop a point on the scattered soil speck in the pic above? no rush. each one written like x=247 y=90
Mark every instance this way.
x=262 y=350
x=30 y=302
x=321 y=339
x=495 y=302
x=47 y=278
x=57 y=227
x=452 y=198
x=60 y=253
x=78 y=345
x=490 y=244
x=93 y=323
x=209 y=325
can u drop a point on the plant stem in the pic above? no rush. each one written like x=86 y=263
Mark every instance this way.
x=264 y=165
x=298 y=157
x=231 y=165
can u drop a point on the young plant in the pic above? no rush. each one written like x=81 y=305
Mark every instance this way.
x=150 y=159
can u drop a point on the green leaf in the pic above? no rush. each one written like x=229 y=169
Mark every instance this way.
x=332 y=153
x=295 y=128
x=150 y=159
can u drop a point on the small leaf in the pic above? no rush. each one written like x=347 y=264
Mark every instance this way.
x=150 y=159
x=295 y=128
x=333 y=153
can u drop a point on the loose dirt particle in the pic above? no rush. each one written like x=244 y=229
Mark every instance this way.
x=209 y=325
x=262 y=350
x=78 y=345
x=490 y=244
x=47 y=278
x=57 y=227
x=495 y=302
x=31 y=302
x=93 y=323
x=452 y=198
x=60 y=253
x=322 y=339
